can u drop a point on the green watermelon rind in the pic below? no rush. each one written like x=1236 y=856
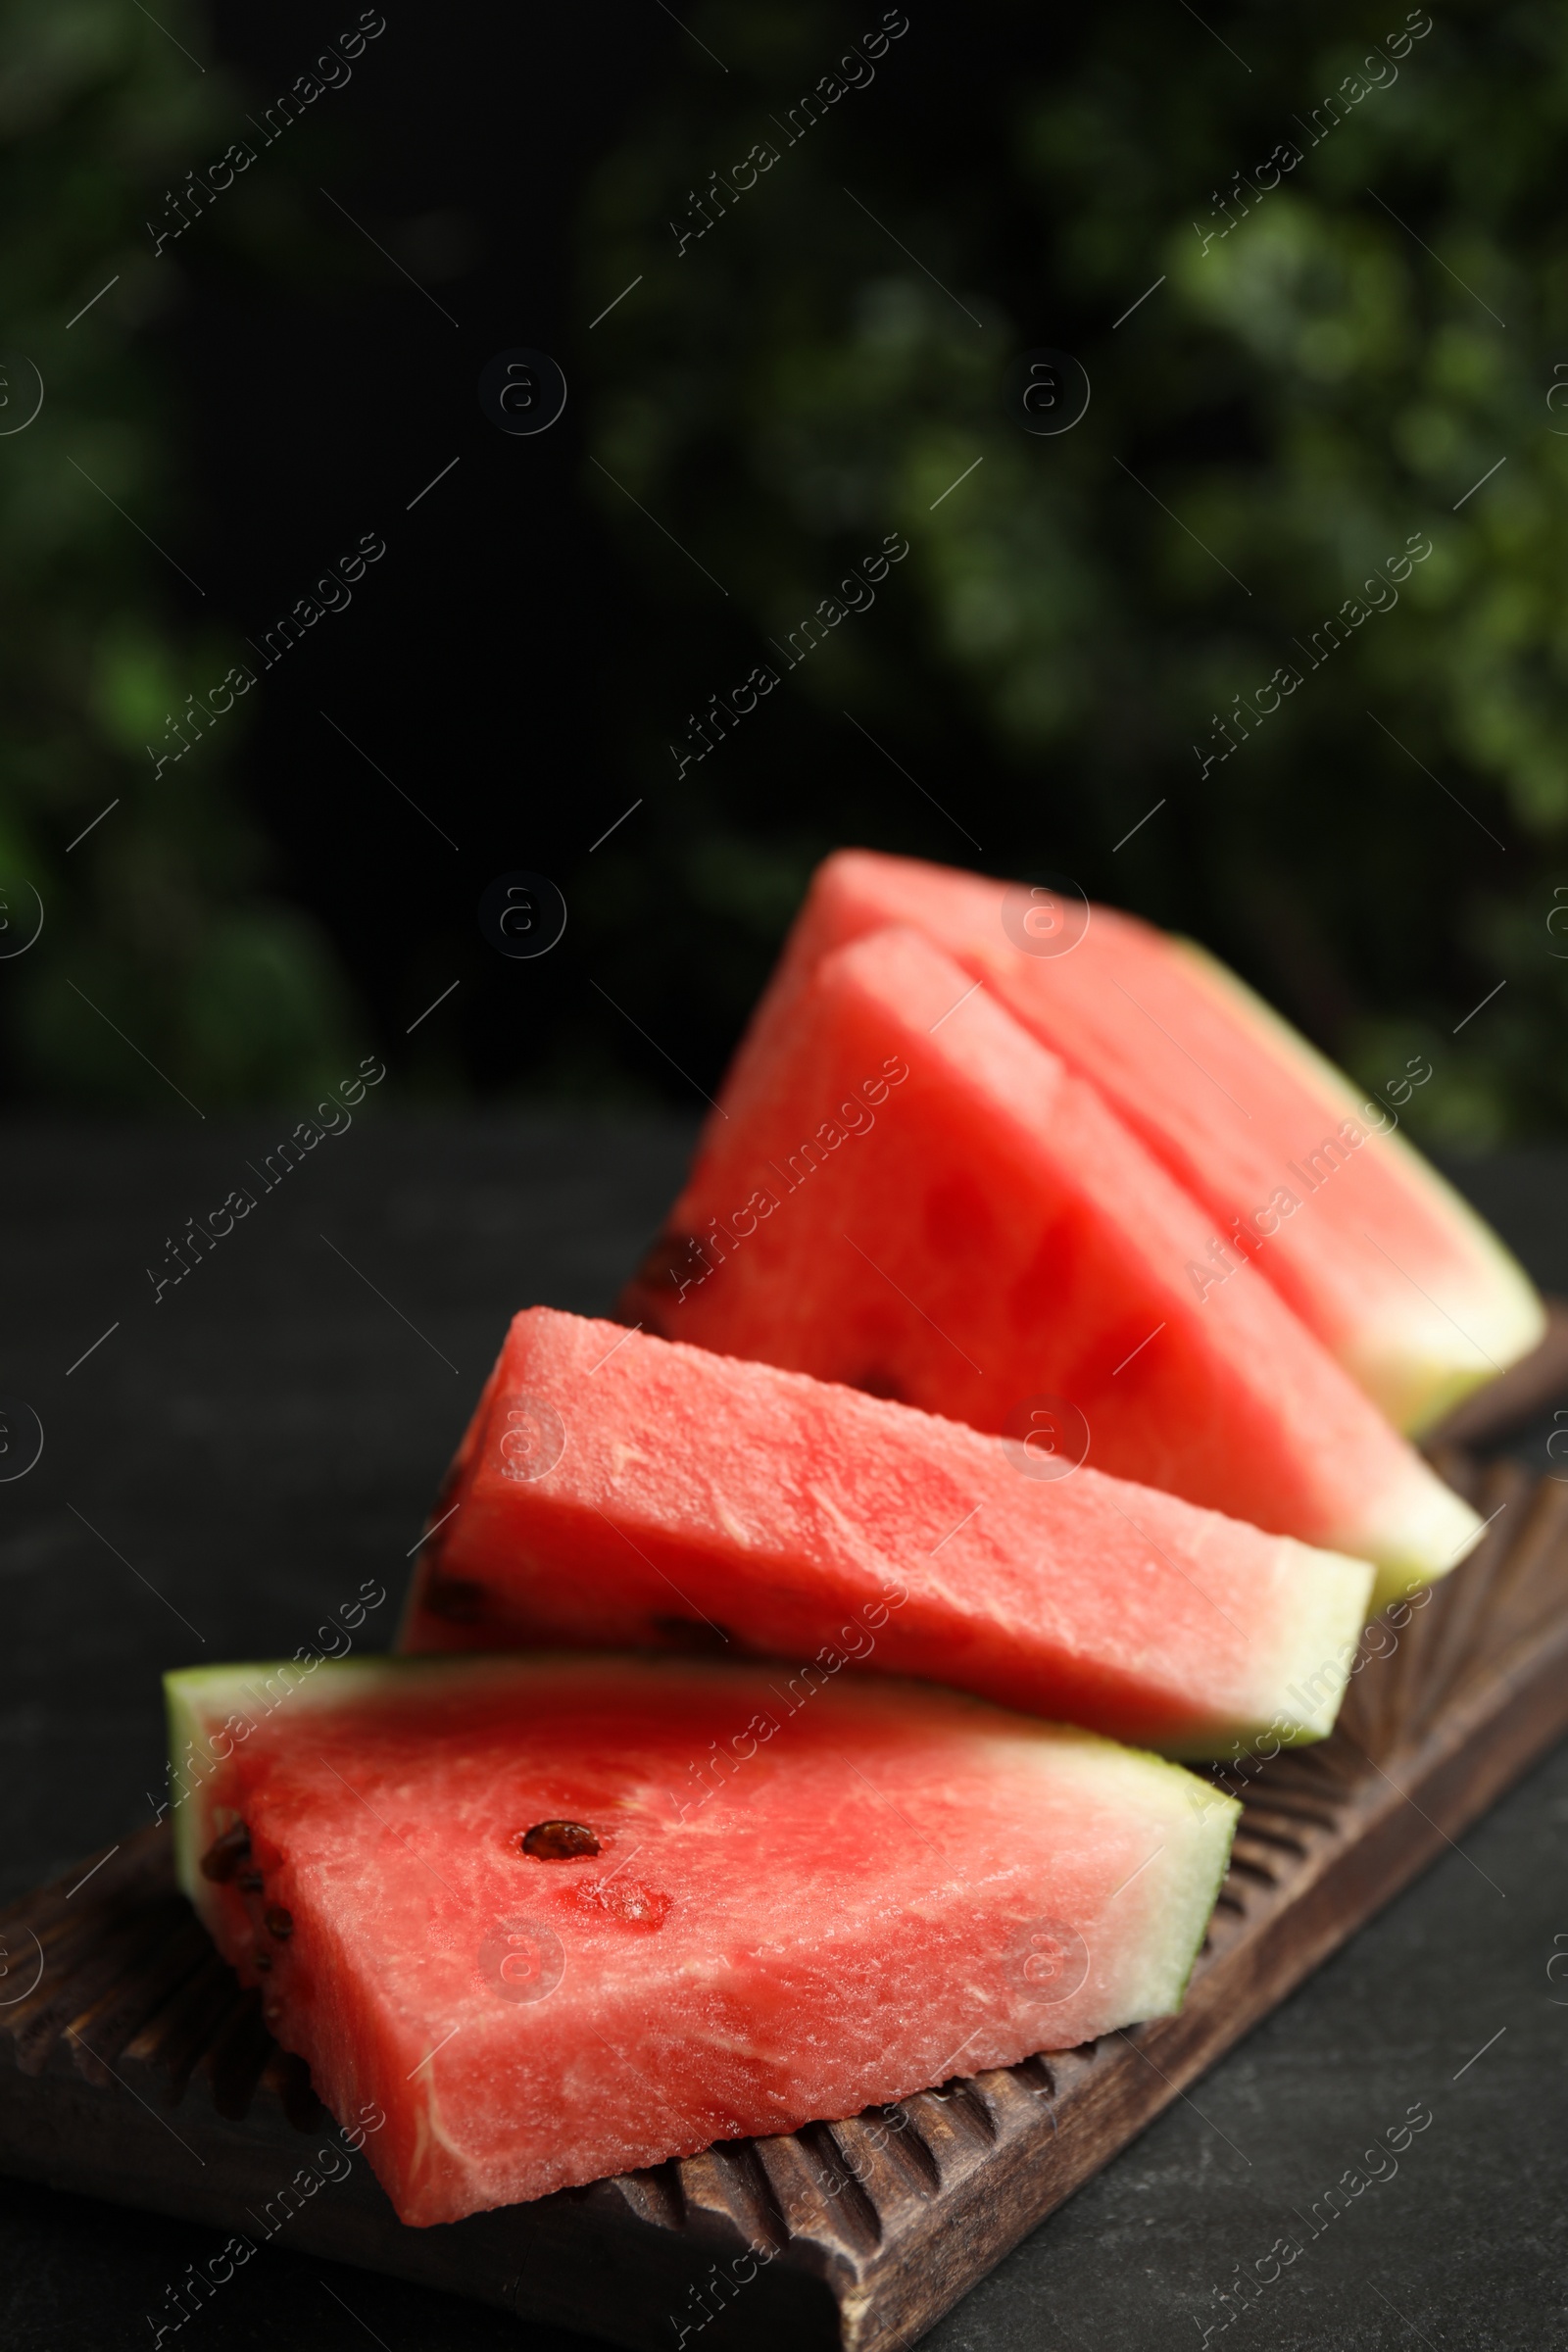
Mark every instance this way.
x=1208 y=1797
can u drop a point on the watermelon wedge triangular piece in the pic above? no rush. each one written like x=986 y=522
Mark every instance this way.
x=482 y=1897
x=905 y=1191
x=1295 y=1168
x=615 y=1490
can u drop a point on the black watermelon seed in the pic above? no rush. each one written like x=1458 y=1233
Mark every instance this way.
x=279 y=1923
x=226 y=1852
x=558 y=1840
x=699 y=1634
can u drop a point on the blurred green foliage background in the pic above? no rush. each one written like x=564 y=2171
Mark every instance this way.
x=1328 y=366
x=1318 y=369
x=159 y=926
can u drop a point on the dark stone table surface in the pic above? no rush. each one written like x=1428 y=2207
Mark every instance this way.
x=236 y=1457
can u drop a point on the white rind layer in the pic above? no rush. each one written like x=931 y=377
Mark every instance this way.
x=1333 y=1596
x=1430 y=1530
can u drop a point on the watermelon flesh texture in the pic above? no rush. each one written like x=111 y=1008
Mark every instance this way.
x=882 y=1888
x=909 y=1194
x=623 y=1492
x=1378 y=1255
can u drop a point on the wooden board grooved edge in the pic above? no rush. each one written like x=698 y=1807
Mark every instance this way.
x=135 y=2068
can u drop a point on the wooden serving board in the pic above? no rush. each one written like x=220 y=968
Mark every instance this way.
x=137 y=2069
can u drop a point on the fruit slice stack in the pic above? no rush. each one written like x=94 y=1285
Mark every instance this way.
x=1294 y=1168
x=905 y=1191
x=1013 y=1371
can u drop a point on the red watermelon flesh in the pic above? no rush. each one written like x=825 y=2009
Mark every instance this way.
x=619 y=1491
x=908 y=1193
x=883 y=1889
x=1295 y=1167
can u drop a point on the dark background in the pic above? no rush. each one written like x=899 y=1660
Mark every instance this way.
x=478 y=666
x=1270 y=419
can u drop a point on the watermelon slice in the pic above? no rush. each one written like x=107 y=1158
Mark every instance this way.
x=1295 y=1168
x=618 y=1491
x=905 y=1191
x=480 y=1893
